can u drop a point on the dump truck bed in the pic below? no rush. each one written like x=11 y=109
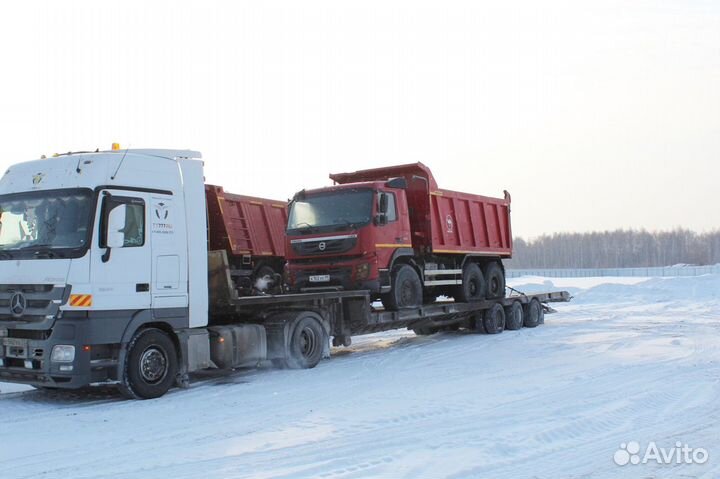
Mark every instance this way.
x=245 y=225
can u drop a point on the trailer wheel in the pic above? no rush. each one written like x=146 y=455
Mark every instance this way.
x=533 y=313
x=494 y=319
x=514 y=316
x=307 y=342
x=406 y=291
x=495 y=278
x=473 y=285
x=150 y=365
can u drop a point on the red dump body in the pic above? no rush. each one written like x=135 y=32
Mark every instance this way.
x=444 y=221
x=245 y=225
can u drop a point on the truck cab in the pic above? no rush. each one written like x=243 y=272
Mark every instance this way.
x=343 y=237
x=94 y=247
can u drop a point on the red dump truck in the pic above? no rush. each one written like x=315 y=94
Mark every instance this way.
x=393 y=232
x=252 y=232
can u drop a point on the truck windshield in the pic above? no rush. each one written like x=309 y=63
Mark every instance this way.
x=335 y=210
x=44 y=221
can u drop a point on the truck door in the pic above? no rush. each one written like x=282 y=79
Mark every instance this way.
x=394 y=233
x=121 y=252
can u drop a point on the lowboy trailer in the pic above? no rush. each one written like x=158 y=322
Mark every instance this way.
x=108 y=276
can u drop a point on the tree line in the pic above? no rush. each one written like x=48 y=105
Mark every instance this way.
x=617 y=249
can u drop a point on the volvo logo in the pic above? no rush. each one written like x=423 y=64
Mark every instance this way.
x=321 y=246
x=18 y=303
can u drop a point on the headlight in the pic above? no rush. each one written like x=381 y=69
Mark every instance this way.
x=362 y=271
x=62 y=354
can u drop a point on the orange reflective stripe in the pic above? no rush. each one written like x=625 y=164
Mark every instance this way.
x=81 y=300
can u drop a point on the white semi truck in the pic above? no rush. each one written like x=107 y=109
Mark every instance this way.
x=106 y=278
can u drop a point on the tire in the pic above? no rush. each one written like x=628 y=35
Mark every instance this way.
x=494 y=319
x=307 y=342
x=514 y=316
x=151 y=365
x=473 y=287
x=533 y=312
x=495 y=278
x=406 y=291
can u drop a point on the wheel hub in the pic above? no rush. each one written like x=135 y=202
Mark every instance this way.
x=308 y=342
x=153 y=364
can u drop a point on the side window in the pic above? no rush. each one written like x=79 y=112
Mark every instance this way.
x=122 y=222
x=391 y=209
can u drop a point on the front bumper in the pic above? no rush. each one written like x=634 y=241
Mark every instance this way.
x=340 y=276
x=20 y=348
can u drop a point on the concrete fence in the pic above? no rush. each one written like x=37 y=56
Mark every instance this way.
x=592 y=272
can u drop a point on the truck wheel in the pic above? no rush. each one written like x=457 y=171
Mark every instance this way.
x=495 y=278
x=150 y=365
x=407 y=290
x=473 y=284
x=494 y=320
x=514 y=316
x=533 y=312
x=306 y=346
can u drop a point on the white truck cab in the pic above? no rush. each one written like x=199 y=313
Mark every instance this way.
x=92 y=247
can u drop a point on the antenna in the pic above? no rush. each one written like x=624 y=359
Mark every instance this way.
x=120 y=164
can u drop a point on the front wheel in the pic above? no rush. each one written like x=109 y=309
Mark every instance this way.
x=150 y=366
x=406 y=290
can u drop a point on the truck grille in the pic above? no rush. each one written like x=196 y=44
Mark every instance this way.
x=29 y=302
x=324 y=245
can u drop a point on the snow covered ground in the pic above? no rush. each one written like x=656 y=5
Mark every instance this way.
x=629 y=359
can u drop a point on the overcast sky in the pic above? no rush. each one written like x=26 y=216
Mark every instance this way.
x=594 y=115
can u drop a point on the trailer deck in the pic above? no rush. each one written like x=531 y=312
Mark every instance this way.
x=353 y=313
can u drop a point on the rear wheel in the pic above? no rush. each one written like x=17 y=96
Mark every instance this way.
x=494 y=319
x=406 y=291
x=473 y=284
x=307 y=343
x=533 y=313
x=514 y=316
x=150 y=365
x=495 y=278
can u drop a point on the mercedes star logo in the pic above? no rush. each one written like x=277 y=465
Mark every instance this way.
x=18 y=303
x=321 y=246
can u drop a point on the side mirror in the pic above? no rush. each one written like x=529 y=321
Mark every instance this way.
x=116 y=227
x=397 y=183
x=380 y=219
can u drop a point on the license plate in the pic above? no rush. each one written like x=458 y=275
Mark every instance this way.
x=15 y=342
x=320 y=278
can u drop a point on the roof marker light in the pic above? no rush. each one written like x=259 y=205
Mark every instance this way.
x=115 y=146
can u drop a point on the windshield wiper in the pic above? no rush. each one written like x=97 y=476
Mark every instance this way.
x=5 y=255
x=45 y=250
x=307 y=229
